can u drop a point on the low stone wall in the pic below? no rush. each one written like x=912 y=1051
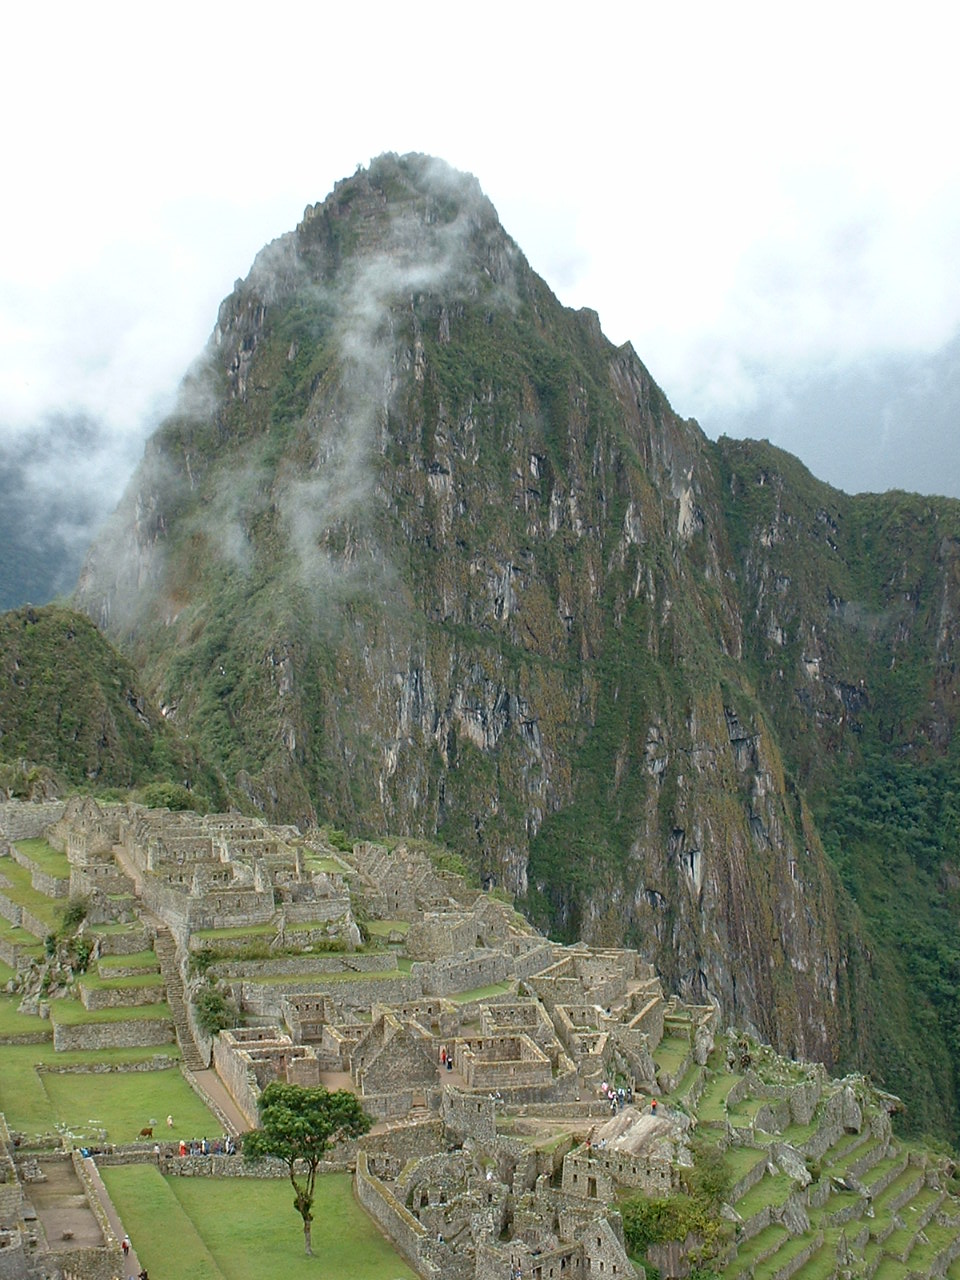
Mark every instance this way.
x=11 y=911
x=160 y=1062
x=132 y=1033
x=296 y=966
x=33 y=924
x=121 y=997
x=123 y=944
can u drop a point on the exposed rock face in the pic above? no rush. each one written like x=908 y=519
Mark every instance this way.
x=422 y=552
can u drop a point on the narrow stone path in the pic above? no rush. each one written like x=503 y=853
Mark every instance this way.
x=210 y=1084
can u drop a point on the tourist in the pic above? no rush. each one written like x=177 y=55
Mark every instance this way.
x=125 y=1245
x=169 y=1122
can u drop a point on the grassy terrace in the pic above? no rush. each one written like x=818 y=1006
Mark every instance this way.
x=45 y=857
x=690 y=1077
x=13 y=1023
x=743 y=1160
x=671 y=1053
x=239 y=931
x=767 y=1192
x=383 y=928
x=483 y=993
x=97 y=983
x=137 y=960
x=771 y=1237
x=16 y=935
x=6 y=973
x=22 y=892
x=246 y=1229
x=883 y=1201
x=70 y=1013
x=786 y=1253
x=123 y=1103
x=326 y=864
x=713 y=1103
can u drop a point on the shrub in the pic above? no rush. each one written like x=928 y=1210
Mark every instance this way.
x=214 y=1012
x=74 y=913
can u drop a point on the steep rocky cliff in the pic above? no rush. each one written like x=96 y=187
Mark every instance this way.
x=420 y=551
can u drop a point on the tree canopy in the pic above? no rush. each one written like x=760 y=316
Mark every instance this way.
x=298 y=1126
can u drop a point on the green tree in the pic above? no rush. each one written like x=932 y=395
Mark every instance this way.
x=298 y=1126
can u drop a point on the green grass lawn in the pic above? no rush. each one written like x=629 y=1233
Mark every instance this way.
x=13 y=1023
x=6 y=972
x=27 y=1104
x=45 y=857
x=247 y=1229
x=671 y=1053
x=124 y=1102
x=713 y=1101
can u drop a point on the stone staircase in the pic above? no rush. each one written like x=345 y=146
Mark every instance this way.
x=166 y=952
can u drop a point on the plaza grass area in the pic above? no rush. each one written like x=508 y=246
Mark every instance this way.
x=124 y=1102
x=30 y=1108
x=247 y=1229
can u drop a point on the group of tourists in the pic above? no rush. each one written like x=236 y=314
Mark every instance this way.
x=618 y=1098
x=219 y=1147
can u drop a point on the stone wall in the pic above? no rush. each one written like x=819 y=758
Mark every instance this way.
x=389 y=1151
x=501 y=1062
x=469 y=1115
x=441 y=934
x=463 y=973
x=305 y=966
x=112 y=1035
x=263 y=999
x=121 y=997
x=127 y=943
x=42 y=881
x=10 y=911
x=21 y=820
x=394 y=1219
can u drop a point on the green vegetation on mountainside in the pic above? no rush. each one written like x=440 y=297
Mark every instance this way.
x=854 y=660
x=73 y=708
x=893 y=830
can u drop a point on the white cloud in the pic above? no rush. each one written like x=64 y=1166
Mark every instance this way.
x=744 y=191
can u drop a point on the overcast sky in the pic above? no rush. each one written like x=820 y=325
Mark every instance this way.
x=764 y=199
